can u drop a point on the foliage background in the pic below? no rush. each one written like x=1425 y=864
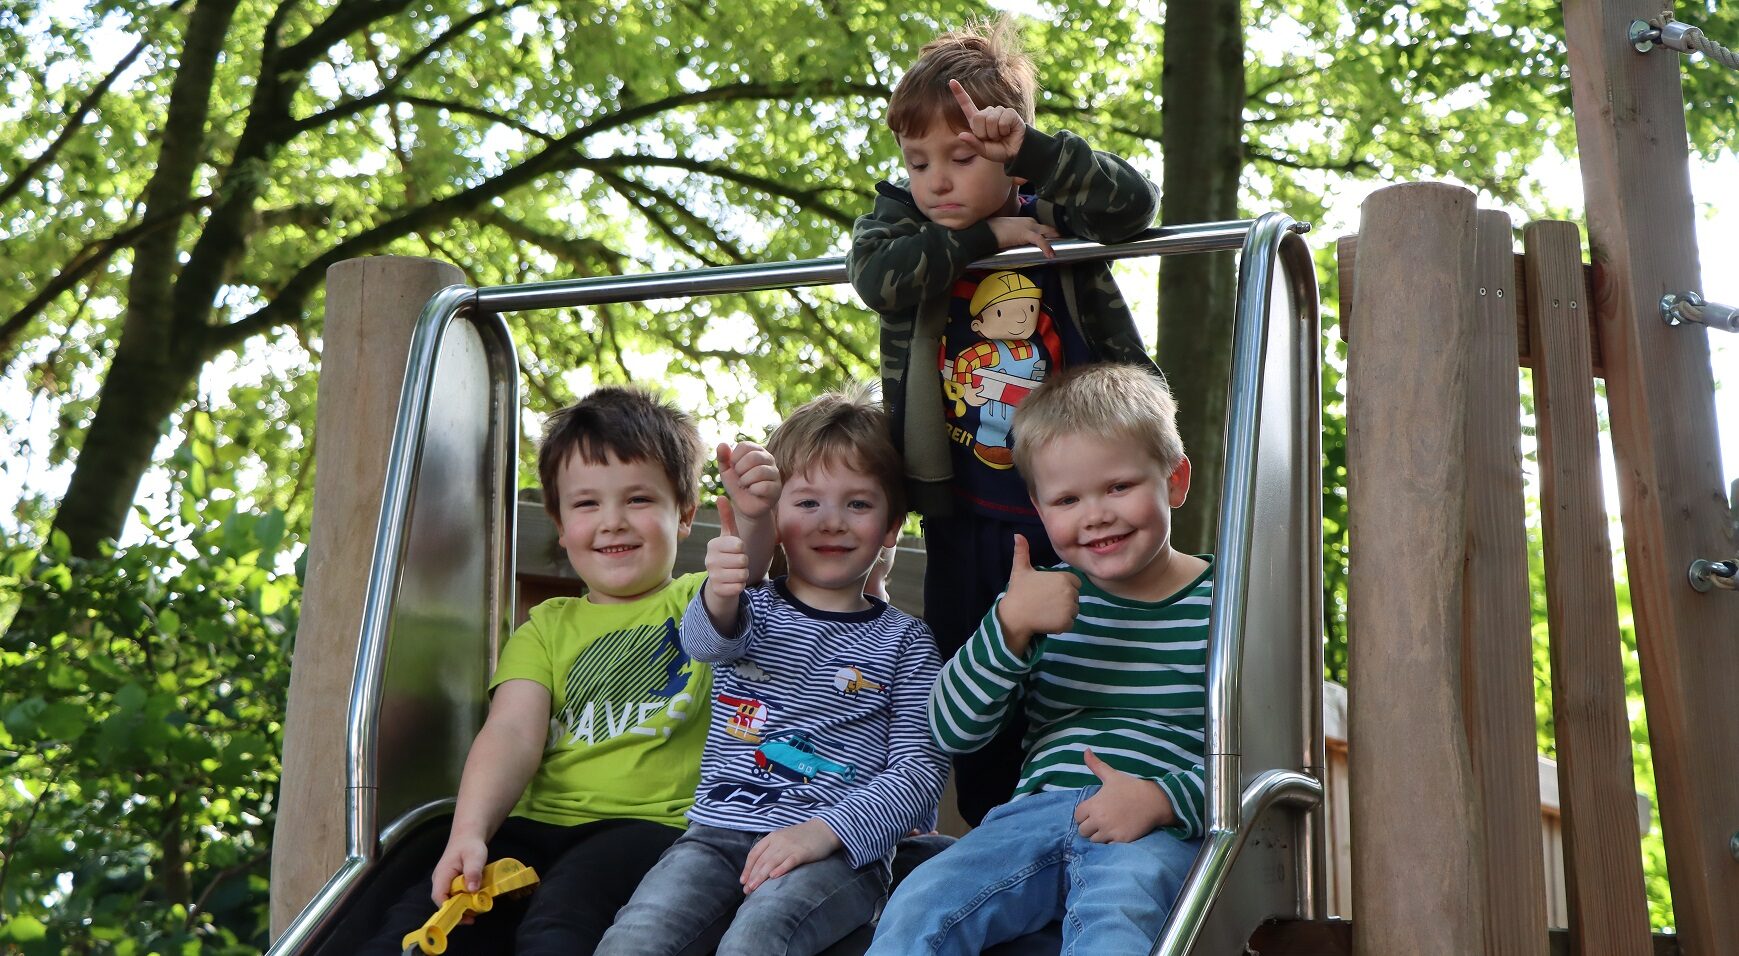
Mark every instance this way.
x=175 y=176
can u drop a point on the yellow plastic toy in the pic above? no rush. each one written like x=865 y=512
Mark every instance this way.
x=501 y=878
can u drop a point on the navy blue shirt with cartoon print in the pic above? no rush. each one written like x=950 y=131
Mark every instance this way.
x=818 y=714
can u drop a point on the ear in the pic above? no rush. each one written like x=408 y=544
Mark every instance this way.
x=1178 y=485
x=685 y=521
x=892 y=537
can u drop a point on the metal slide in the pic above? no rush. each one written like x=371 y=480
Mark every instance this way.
x=440 y=594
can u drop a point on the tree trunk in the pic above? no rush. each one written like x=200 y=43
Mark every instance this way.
x=143 y=388
x=1203 y=140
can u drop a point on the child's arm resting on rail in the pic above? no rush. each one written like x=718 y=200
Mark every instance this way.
x=898 y=258
x=1097 y=195
x=503 y=758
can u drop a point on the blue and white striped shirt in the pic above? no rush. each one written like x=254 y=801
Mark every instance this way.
x=818 y=714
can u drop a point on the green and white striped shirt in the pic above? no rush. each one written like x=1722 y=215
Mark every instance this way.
x=1128 y=680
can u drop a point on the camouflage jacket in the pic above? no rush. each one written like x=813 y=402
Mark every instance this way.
x=904 y=266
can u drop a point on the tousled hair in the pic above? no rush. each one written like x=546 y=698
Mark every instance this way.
x=630 y=424
x=1122 y=403
x=987 y=58
x=846 y=429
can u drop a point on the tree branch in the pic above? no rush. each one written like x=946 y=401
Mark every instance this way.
x=81 y=265
x=1351 y=164
x=76 y=118
x=356 y=105
x=804 y=198
x=346 y=18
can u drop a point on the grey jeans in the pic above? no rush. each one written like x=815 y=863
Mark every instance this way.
x=692 y=901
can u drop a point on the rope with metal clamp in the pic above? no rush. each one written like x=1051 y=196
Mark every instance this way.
x=1678 y=36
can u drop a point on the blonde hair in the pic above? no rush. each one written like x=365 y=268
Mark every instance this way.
x=987 y=58
x=1122 y=403
x=847 y=429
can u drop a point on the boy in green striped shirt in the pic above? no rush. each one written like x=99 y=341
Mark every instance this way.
x=1107 y=655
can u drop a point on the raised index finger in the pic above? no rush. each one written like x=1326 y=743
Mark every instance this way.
x=964 y=99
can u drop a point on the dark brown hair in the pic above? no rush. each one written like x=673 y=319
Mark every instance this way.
x=631 y=424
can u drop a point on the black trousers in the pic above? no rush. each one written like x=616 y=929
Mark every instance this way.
x=967 y=563
x=585 y=874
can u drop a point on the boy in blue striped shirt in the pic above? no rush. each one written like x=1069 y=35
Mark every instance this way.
x=1107 y=655
x=819 y=756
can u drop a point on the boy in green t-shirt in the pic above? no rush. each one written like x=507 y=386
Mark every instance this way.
x=598 y=717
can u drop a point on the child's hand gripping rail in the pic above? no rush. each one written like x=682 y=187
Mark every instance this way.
x=501 y=878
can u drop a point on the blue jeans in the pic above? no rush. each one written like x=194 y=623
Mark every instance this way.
x=1028 y=865
x=692 y=901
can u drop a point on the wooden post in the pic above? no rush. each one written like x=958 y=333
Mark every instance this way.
x=1497 y=640
x=1602 y=857
x=1630 y=131
x=1414 y=804
x=371 y=309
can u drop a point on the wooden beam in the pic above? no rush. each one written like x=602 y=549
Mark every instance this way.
x=1602 y=856
x=1497 y=635
x=1414 y=804
x=371 y=310
x=1346 y=259
x=1630 y=130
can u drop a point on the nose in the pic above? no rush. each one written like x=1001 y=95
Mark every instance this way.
x=1097 y=514
x=941 y=182
x=612 y=518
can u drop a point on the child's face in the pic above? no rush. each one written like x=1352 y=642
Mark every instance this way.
x=951 y=183
x=620 y=523
x=1107 y=510
x=833 y=524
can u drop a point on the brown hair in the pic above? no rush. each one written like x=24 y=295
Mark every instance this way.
x=631 y=424
x=848 y=429
x=985 y=56
x=1123 y=403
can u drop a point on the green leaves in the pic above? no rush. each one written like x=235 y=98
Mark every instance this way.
x=141 y=738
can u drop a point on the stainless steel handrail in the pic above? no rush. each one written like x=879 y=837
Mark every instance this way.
x=761 y=276
x=363 y=841
x=1230 y=812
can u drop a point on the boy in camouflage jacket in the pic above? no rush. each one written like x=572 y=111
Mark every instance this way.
x=982 y=179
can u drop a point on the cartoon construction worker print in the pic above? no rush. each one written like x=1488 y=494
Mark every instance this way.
x=996 y=374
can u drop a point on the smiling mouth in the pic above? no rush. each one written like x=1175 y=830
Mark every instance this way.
x=1106 y=544
x=617 y=549
x=833 y=549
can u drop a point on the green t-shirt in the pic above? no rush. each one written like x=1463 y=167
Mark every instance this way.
x=628 y=709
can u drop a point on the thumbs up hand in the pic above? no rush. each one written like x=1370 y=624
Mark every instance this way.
x=1037 y=602
x=727 y=571
x=750 y=477
x=1125 y=809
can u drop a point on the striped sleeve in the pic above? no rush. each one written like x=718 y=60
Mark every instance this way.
x=872 y=818
x=976 y=689
x=1188 y=797
x=703 y=642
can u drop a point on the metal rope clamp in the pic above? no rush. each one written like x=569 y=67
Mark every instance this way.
x=1671 y=34
x=1708 y=575
x=1678 y=308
